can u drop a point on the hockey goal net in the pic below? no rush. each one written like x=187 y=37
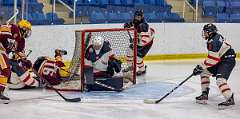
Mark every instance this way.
x=123 y=43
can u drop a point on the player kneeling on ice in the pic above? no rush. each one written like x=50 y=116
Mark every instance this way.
x=145 y=39
x=100 y=66
x=219 y=63
x=52 y=70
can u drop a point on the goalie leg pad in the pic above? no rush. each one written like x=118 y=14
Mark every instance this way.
x=108 y=84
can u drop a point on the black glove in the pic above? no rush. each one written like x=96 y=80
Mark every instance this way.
x=127 y=25
x=197 y=70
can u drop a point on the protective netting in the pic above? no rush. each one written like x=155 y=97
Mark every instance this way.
x=122 y=42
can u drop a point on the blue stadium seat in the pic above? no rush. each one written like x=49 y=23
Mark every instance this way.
x=97 y=17
x=138 y=2
x=150 y=2
x=173 y=17
x=53 y=17
x=235 y=6
x=222 y=17
x=126 y=17
x=221 y=6
x=128 y=2
x=115 y=2
x=151 y=17
x=114 y=17
x=209 y=7
x=11 y=2
x=104 y=2
x=235 y=18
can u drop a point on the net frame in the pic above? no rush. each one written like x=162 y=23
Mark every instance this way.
x=78 y=71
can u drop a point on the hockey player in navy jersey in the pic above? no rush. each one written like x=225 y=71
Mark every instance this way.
x=145 y=39
x=219 y=63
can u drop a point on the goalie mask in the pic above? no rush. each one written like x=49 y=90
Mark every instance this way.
x=209 y=30
x=97 y=42
x=25 y=28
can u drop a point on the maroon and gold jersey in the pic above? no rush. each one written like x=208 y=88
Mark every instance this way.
x=11 y=39
x=49 y=70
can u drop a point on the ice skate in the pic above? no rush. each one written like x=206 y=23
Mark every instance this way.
x=202 y=99
x=227 y=104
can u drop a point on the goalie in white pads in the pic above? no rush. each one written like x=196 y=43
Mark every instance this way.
x=219 y=63
x=102 y=63
x=145 y=39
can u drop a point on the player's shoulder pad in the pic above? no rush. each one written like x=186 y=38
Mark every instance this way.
x=144 y=27
x=217 y=42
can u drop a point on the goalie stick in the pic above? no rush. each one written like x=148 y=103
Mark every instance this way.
x=153 y=101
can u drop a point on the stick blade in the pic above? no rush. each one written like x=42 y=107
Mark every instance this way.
x=150 y=101
x=73 y=100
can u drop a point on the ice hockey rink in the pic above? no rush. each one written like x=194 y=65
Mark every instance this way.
x=161 y=77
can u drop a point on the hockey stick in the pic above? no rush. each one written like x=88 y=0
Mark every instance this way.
x=152 y=101
x=51 y=87
x=30 y=51
x=98 y=82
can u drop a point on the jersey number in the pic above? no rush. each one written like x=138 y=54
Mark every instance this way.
x=49 y=69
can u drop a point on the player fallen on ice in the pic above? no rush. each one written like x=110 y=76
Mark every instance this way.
x=219 y=63
x=12 y=40
x=52 y=70
x=99 y=58
x=145 y=39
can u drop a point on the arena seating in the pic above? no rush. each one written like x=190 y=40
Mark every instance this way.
x=118 y=11
x=221 y=10
x=35 y=12
x=98 y=11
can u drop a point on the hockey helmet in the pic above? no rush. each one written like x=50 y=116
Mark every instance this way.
x=138 y=17
x=138 y=13
x=97 y=41
x=25 y=28
x=209 y=30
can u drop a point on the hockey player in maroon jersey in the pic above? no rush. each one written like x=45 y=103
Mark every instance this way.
x=21 y=77
x=219 y=63
x=145 y=39
x=51 y=69
x=12 y=39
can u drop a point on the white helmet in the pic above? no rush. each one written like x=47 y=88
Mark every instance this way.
x=98 y=41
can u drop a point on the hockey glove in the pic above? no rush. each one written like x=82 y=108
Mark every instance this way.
x=197 y=70
x=26 y=64
x=128 y=25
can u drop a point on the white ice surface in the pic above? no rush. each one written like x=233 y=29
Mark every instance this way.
x=161 y=78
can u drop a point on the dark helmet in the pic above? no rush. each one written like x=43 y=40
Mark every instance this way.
x=210 y=28
x=138 y=13
x=136 y=22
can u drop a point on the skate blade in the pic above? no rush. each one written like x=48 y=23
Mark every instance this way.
x=4 y=101
x=204 y=102
x=225 y=107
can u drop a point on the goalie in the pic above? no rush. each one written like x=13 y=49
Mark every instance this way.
x=100 y=62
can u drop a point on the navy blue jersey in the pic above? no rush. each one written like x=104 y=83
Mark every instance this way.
x=217 y=48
